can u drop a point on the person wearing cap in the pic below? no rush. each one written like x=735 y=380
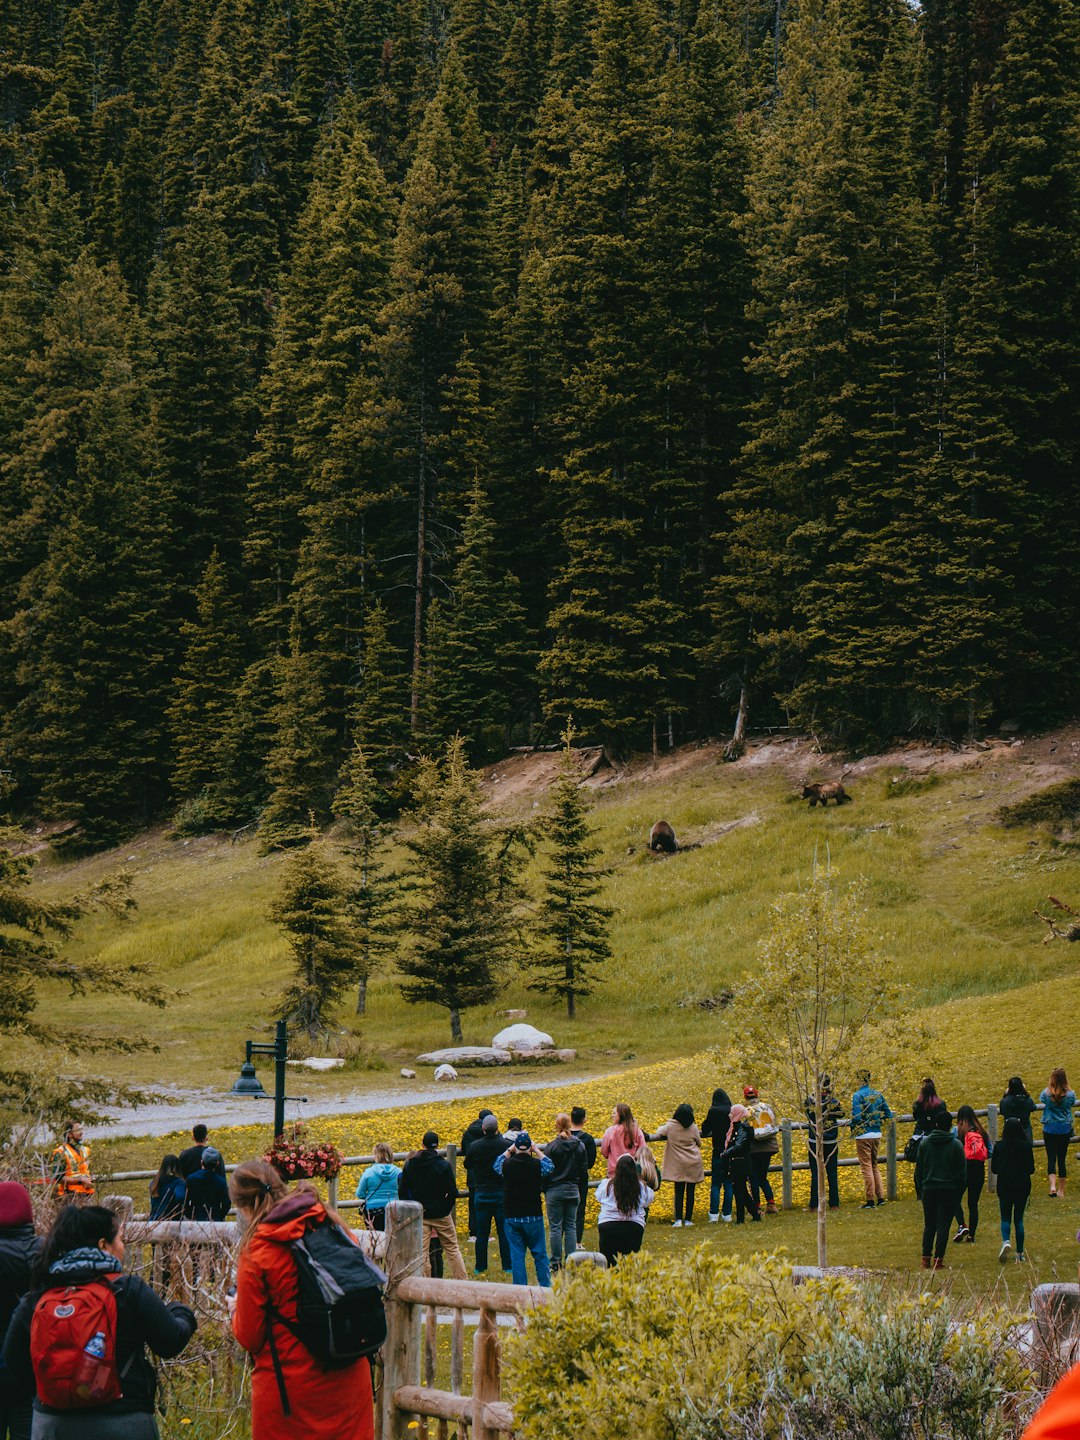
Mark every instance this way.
x=207 y=1196
x=71 y=1165
x=523 y=1168
x=486 y=1188
x=429 y=1180
x=19 y=1251
x=763 y=1147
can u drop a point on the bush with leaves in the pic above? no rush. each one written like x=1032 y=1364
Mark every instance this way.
x=705 y=1346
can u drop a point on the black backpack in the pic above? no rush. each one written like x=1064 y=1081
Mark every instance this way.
x=339 y=1306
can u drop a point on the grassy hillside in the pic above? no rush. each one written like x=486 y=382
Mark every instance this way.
x=951 y=892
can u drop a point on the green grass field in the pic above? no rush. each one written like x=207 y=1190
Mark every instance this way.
x=950 y=892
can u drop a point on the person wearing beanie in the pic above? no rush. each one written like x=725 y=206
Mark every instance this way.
x=19 y=1250
x=207 y=1195
x=429 y=1180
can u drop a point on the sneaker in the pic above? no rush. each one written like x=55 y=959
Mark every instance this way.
x=880 y=1203
x=1004 y=1252
x=961 y=1235
x=687 y=1224
x=756 y=1219
x=715 y=1219
x=1020 y=1258
x=1053 y=1195
x=726 y=1219
x=472 y=1239
x=676 y=1224
x=870 y=1205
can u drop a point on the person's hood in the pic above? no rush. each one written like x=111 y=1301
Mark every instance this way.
x=566 y=1142
x=86 y=1260
x=721 y=1100
x=290 y=1217
x=940 y=1137
x=383 y=1169
x=19 y=1248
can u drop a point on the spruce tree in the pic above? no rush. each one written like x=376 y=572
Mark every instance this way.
x=311 y=910
x=380 y=716
x=460 y=924
x=201 y=712
x=371 y=894
x=296 y=767
x=573 y=926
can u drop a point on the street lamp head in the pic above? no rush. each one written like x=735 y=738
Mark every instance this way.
x=248 y=1083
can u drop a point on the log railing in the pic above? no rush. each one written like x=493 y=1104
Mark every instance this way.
x=410 y=1404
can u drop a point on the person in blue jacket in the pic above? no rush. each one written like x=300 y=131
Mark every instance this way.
x=208 y=1189
x=869 y=1112
x=379 y=1185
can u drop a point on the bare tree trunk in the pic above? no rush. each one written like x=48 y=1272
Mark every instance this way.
x=455 y=1024
x=819 y=1161
x=569 y=980
x=418 y=601
x=655 y=746
x=736 y=746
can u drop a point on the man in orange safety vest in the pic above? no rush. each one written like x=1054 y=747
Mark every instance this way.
x=71 y=1165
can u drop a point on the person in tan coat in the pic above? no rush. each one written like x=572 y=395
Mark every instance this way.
x=682 y=1165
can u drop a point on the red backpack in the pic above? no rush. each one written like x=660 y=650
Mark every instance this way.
x=73 y=1346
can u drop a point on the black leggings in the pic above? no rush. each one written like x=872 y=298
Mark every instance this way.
x=976 y=1178
x=744 y=1200
x=759 y=1177
x=1057 y=1148
x=619 y=1237
x=939 y=1207
x=684 y=1188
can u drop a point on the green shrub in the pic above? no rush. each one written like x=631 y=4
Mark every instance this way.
x=1056 y=806
x=708 y=1347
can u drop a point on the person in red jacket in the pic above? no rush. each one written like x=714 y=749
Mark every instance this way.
x=324 y=1404
x=1059 y=1416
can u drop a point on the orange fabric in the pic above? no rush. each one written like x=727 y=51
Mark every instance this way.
x=336 y=1404
x=76 y=1177
x=1059 y=1417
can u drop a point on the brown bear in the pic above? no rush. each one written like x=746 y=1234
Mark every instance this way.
x=825 y=791
x=662 y=838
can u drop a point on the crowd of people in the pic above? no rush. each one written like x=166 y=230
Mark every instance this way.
x=76 y=1327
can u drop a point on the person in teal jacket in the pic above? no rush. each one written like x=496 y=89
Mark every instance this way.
x=379 y=1185
x=869 y=1113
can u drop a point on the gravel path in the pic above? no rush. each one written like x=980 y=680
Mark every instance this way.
x=216 y=1109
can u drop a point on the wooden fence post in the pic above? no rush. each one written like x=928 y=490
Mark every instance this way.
x=785 y=1160
x=331 y=1192
x=486 y=1382
x=451 y=1155
x=890 y=1159
x=992 y=1131
x=402 y=1349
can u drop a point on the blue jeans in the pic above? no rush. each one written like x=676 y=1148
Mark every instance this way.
x=562 y=1203
x=714 y=1195
x=527 y=1233
x=488 y=1206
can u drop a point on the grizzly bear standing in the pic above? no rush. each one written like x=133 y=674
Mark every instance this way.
x=824 y=792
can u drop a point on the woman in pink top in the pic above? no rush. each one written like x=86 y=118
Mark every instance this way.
x=622 y=1137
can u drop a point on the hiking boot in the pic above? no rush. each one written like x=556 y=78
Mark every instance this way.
x=926 y=1262
x=939 y=1264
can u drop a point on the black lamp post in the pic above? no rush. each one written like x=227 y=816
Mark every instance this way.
x=249 y=1083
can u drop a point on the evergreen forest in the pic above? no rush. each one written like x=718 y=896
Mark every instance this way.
x=378 y=371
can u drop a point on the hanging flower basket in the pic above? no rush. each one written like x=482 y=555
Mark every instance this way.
x=295 y=1158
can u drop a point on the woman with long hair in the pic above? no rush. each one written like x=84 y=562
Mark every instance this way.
x=735 y=1163
x=976 y=1143
x=168 y=1190
x=715 y=1128
x=335 y=1404
x=84 y=1252
x=925 y=1107
x=1013 y=1162
x=1057 y=1101
x=624 y=1201
x=379 y=1185
x=1017 y=1104
x=624 y=1136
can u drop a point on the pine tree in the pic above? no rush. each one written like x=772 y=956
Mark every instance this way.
x=371 y=894
x=296 y=766
x=311 y=910
x=478 y=660
x=460 y=927
x=202 y=393
x=575 y=929
x=380 y=718
x=201 y=712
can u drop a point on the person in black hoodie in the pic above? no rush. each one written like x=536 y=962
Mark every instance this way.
x=207 y=1194
x=429 y=1180
x=19 y=1249
x=473 y=1132
x=487 y=1189
x=86 y=1246
x=577 y=1127
x=1012 y=1160
x=715 y=1127
x=562 y=1189
x=1017 y=1104
x=734 y=1162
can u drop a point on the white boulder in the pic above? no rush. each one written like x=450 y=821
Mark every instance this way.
x=446 y=1072
x=408 y=1074
x=465 y=1055
x=522 y=1038
x=317 y=1062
